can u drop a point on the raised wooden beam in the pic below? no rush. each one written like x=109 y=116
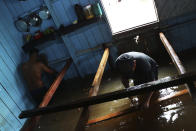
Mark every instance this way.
x=134 y=108
x=178 y=64
x=55 y=84
x=114 y=115
x=175 y=94
x=48 y=96
x=97 y=79
x=93 y=91
x=131 y=91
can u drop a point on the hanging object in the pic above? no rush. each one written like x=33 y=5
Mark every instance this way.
x=97 y=10
x=88 y=12
x=38 y=35
x=34 y=20
x=27 y=38
x=44 y=13
x=22 y=25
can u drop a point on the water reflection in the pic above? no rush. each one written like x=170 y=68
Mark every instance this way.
x=172 y=112
x=168 y=91
x=134 y=101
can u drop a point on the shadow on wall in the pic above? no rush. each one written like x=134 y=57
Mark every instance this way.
x=27 y=99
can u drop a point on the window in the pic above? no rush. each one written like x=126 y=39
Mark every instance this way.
x=124 y=15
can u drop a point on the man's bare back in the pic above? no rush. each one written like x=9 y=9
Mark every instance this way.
x=32 y=72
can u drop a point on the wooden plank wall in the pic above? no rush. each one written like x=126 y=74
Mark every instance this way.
x=183 y=37
x=14 y=96
x=172 y=8
x=84 y=38
x=177 y=11
x=174 y=11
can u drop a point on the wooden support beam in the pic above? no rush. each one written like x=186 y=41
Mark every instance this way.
x=48 y=96
x=173 y=55
x=93 y=91
x=97 y=79
x=178 y=64
x=131 y=91
x=175 y=94
x=134 y=108
x=114 y=115
x=55 y=84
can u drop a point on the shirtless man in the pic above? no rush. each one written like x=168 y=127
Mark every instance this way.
x=139 y=67
x=32 y=71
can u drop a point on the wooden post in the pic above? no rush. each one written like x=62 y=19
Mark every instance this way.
x=131 y=91
x=178 y=64
x=93 y=91
x=48 y=96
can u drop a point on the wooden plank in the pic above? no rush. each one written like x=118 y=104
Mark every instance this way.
x=4 y=125
x=10 y=102
x=5 y=113
x=9 y=81
x=131 y=91
x=97 y=79
x=55 y=84
x=173 y=55
x=178 y=64
x=48 y=96
x=173 y=95
x=113 y=115
x=93 y=91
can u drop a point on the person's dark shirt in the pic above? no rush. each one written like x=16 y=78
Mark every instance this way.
x=146 y=68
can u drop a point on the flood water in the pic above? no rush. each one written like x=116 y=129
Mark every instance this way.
x=177 y=114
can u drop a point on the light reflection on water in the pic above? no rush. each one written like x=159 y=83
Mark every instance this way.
x=171 y=112
x=134 y=101
x=168 y=91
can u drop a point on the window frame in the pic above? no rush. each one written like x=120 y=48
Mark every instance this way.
x=133 y=28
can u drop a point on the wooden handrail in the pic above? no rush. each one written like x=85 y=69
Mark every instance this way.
x=131 y=91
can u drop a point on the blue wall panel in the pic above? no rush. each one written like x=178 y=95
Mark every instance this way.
x=17 y=9
x=14 y=96
x=182 y=37
x=83 y=38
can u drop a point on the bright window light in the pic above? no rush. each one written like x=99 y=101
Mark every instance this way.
x=126 y=15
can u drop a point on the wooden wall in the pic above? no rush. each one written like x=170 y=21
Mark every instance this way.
x=14 y=96
x=84 y=38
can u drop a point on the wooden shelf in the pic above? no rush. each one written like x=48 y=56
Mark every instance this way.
x=28 y=46
x=68 y=29
x=53 y=36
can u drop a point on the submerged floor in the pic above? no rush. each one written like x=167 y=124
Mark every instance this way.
x=173 y=115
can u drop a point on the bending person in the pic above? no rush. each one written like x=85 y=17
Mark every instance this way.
x=139 y=67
